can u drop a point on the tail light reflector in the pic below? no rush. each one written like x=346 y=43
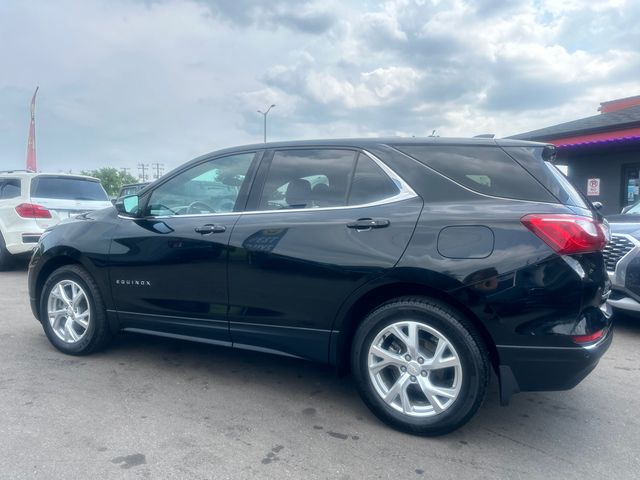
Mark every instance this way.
x=588 y=338
x=567 y=234
x=30 y=210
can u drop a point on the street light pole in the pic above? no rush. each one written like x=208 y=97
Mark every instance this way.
x=264 y=115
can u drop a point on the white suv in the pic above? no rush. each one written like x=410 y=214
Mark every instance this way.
x=32 y=202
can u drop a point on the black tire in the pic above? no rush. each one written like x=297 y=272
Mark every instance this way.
x=6 y=259
x=459 y=331
x=98 y=333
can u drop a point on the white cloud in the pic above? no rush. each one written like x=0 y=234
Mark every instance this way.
x=124 y=82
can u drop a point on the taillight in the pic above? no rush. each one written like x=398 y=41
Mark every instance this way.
x=567 y=234
x=30 y=210
x=588 y=338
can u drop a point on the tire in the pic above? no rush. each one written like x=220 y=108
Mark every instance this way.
x=6 y=259
x=462 y=372
x=93 y=336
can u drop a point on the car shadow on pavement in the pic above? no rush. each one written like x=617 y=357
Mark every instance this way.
x=309 y=387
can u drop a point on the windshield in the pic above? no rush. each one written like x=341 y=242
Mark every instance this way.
x=66 y=188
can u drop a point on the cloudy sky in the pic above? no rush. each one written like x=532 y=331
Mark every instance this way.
x=129 y=81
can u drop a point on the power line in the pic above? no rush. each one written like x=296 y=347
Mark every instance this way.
x=142 y=168
x=159 y=168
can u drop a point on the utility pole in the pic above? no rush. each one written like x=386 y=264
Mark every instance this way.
x=159 y=168
x=264 y=115
x=142 y=168
x=125 y=170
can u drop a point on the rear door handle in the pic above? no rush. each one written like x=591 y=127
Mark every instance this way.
x=210 y=228
x=369 y=223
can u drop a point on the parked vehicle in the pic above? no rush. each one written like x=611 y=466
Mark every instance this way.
x=622 y=260
x=420 y=264
x=32 y=202
x=131 y=189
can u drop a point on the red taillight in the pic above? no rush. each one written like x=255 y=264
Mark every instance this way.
x=588 y=338
x=30 y=210
x=567 y=234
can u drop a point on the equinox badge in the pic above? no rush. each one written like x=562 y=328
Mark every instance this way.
x=140 y=283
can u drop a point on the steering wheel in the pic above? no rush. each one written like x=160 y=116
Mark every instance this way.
x=164 y=207
x=200 y=206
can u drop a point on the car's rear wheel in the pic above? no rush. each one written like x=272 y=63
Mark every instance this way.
x=72 y=312
x=420 y=365
x=6 y=259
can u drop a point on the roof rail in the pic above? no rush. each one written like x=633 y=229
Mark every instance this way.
x=17 y=170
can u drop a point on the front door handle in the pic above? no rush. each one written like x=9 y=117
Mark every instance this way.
x=369 y=223
x=210 y=228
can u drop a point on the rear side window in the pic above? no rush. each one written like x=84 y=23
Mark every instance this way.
x=487 y=170
x=532 y=158
x=9 y=188
x=64 y=188
x=308 y=179
x=370 y=184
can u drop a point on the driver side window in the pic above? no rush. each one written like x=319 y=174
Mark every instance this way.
x=208 y=188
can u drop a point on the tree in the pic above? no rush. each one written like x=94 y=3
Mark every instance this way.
x=111 y=178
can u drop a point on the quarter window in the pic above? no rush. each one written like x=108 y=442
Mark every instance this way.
x=208 y=188
x=9 y=188
x=484 y=169
x=370 y=183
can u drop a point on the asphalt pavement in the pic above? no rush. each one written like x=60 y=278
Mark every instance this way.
x=149 y=407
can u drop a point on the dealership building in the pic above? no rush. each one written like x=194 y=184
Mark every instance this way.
x=602 y=152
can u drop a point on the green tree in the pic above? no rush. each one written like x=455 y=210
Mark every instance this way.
x=111 y=178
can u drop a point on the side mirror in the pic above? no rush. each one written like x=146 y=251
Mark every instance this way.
x=626 y=209
x=128 y=205
x=597 y=205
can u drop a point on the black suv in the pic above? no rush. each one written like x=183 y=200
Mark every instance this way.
x=420 y=264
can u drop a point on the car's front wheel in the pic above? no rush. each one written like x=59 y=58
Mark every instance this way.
x=72 y=312
x=420 y=366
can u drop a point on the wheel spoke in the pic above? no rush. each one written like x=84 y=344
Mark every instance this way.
x=59 y=292
x=397 y=387
x=68 y=328
x=77 y=295
x=413 y=339
x=82 y=320
x=387 y=357
x=437 y=361
x=55 y=313
x=404 y=399
x=432 y=393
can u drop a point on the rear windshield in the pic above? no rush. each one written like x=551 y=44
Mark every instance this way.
x=67 y=189
x=484 y=169
x=532 y=158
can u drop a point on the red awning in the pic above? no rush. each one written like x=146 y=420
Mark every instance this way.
x=613 y=136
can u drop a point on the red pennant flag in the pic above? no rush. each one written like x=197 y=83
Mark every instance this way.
x=31 y=143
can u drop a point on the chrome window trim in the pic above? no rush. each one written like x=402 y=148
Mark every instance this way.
x=405 y=193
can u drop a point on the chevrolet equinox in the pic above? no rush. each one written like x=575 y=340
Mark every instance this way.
x=419 y=264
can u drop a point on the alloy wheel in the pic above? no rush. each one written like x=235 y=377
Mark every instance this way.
x=68 y=311
x=415 y=369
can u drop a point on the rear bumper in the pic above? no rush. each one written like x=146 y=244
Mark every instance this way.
x=547 y=368
x=23 y=239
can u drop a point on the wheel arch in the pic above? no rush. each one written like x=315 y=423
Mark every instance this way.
x=55 y=260
x=365 y=302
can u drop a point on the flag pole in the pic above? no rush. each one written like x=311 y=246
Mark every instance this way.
x=31 y=142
